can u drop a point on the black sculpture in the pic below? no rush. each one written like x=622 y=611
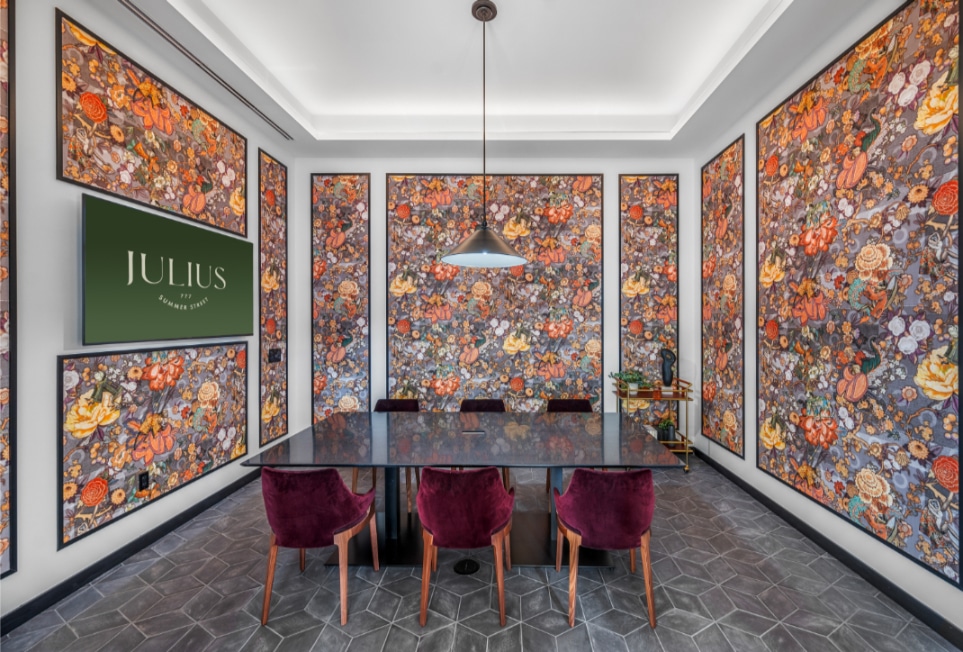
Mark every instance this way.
x=668 y=359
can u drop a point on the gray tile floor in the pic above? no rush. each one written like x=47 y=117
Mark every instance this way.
x=730 y=575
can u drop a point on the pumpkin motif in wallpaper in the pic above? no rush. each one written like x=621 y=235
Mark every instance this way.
x=649 y=280
x=167 y=415
x=340 y=290
x=273 y=211
x=723 y=332
x=522 y=334
x=127 y=133
x=858 y=257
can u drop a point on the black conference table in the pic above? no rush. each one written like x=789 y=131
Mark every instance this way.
x=393 y=440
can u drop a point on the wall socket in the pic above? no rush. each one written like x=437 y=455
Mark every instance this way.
x=143 y=481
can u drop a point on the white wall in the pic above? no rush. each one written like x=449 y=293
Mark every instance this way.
x=48 y=298
x=48 y=251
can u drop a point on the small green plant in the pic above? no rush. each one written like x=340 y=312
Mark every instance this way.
x=631 y=377
x=665 y=423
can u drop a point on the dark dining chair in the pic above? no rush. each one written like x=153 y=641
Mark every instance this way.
x=487 y=405
x=606 y=511
x=564 y=405
x=392 y=405
x=465 y=509
x=314 y=509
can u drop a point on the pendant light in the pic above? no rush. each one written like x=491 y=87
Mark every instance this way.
x=484 y=247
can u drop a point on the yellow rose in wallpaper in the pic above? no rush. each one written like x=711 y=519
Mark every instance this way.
x=516 y=228
x=85 y=417
x=771 y=435
x=516 y=343
x=772 y=271
x=941 y=104
x=634 y=287
x=937 y=376
x=402 y=285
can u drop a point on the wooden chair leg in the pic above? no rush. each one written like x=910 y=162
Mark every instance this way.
x=302 y=556
x=354 y=480
x=574 y=541
x=408 y=486
x=632 y=561
x=506 y=477
x=374 y=538
x=498 y=543
x=508 y=546
x=426 y=564
x=269 y=581
x=341 y=541
x=548 y=481
x=647 y=572
x=434 y=559
x=559 y=537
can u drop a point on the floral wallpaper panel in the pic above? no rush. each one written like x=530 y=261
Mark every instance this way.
x=340 y=293
x=127 y=133
x=273 y=256
x=649 y=281
x=137 y=425
x=522 y=334
x=858 y=258
x=8 y=557
x=723 y=331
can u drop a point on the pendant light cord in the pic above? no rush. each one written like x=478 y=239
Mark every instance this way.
x=484 y=130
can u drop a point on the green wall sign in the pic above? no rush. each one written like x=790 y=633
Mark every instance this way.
x=151 y=278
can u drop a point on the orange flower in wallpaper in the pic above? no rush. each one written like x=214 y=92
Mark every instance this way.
x=723 y=332
x=858 y=255
x=339 y=250
x=522 y=334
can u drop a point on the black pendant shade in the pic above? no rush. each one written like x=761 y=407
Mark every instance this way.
x=484 y=247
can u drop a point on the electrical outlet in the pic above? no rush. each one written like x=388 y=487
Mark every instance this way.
x=143 y=481
x=274 y=355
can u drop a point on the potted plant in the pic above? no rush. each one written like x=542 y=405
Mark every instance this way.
x=666 y=429
x=631 y=379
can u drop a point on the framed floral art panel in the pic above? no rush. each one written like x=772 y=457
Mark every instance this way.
x=649 y=281
x=127 y=133
x=723 y=330
x=8 y=302
x=523 y=334
x=273 y=260
x=137 y=425
x=858 y=295
x=340 y=294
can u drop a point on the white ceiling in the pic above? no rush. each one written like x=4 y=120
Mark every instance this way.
x=611 y=72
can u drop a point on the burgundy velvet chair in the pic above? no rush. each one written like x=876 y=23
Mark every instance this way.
x=314 y=509
x=482 y=405
x=606 y=511
x=486 y=405
x=564 y=405
x=392 y=405
x=464 y=509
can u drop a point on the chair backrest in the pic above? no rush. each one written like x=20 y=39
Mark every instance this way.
x=568 y=405
x=397 y=405
x=482 y=405
x=306 y=508
x=612 y=510
x=462 y=509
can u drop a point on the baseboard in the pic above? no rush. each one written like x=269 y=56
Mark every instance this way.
x=937 y=623
x=28 y=610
